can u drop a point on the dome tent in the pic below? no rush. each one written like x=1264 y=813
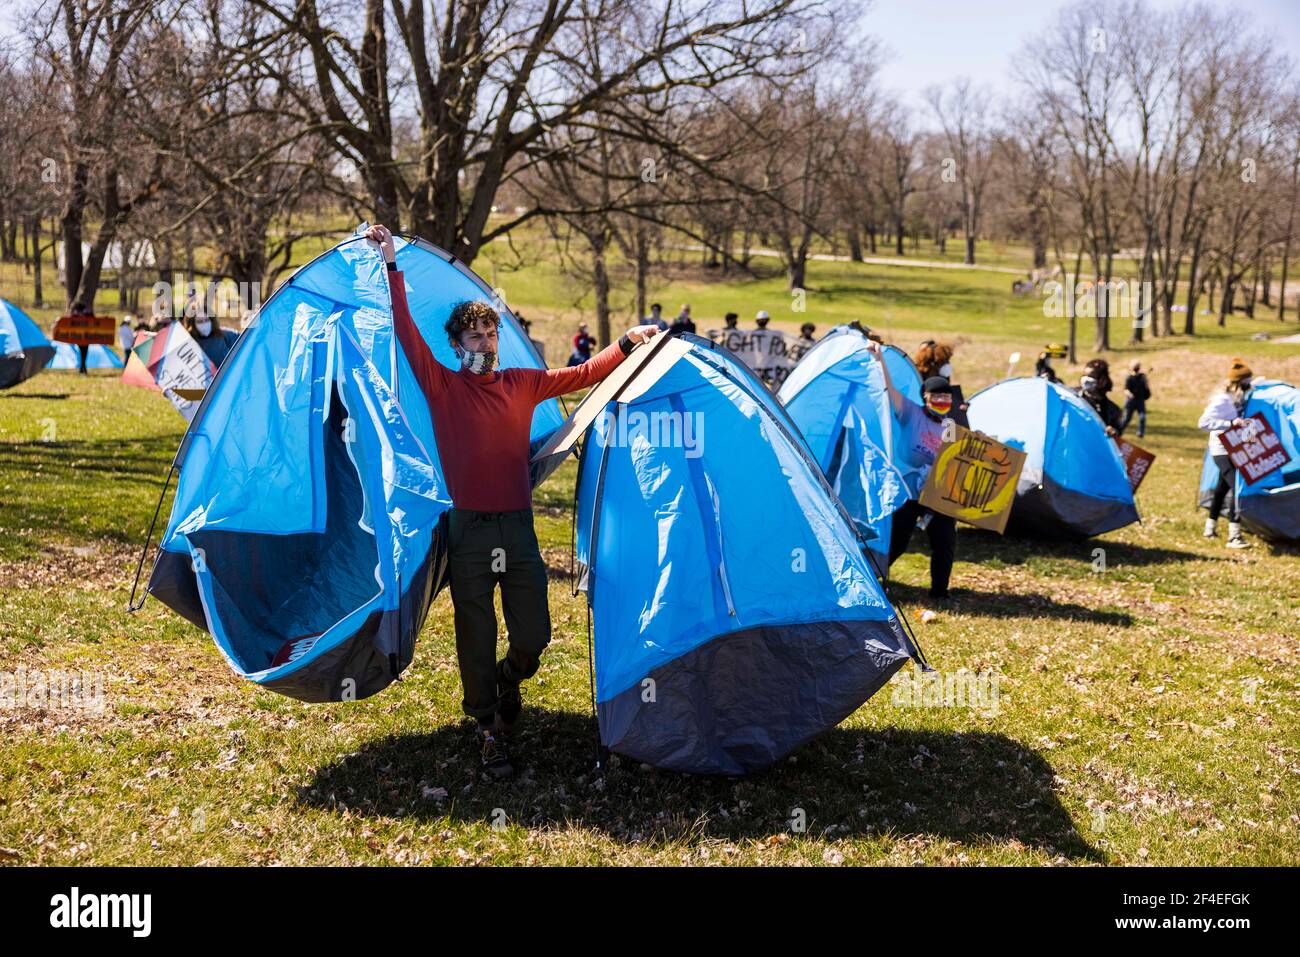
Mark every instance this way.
x=1269 y=507
x=69 y=357
x=735 y=613
x=24 y=350
x=306 y=534
x=836 y=396
x=1073 y=483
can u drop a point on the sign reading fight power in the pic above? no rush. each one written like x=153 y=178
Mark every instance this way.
x=974 y=479
x=1254 y=448
x=770 y=353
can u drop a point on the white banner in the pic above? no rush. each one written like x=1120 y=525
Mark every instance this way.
x=770 y=353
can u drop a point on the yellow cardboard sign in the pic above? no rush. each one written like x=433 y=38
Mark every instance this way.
x=973 y=479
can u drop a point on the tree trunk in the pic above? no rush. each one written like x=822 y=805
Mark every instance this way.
x=642 y=272
x=970 y=251
x=38 y=298
x=600 y=275
x=73 y=210
x=855 y=244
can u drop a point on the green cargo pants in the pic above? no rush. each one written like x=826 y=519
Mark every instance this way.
x=486 y=549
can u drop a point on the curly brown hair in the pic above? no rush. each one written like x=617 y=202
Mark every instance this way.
x=931 y=357
x=470 y=314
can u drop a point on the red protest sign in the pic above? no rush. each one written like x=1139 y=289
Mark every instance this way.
x=86 y=330
x=1254 y=448
x=1137 y=462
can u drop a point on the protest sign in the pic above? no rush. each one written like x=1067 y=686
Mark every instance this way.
x=86 y=330
x=1254 y=448
x=1137 y=462
x=768 y=352
x=973 y=479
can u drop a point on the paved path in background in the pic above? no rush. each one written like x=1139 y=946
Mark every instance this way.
x=884 y=261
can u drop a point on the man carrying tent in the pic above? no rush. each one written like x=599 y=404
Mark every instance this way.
x=481 y=417
x=923 y=429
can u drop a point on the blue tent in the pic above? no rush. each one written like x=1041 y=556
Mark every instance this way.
x=69 y=357
x=307 y=533
x=1074 y=483
x=1270 y=507
x=735 y=613
x=24 y=350
x=836 y=396
x=902 y=372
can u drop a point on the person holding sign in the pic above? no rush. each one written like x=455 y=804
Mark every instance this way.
x=923 y=427
x=1094 y=388
x=1223 y=412
x=481 y=417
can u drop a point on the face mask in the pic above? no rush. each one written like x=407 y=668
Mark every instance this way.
x=945 y=370
x=1089 y=383
x=205 y=328
x=940 y=403
x=479 y=363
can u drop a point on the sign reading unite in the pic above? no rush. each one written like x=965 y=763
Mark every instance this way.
x=973 y=479
x=1254 y=448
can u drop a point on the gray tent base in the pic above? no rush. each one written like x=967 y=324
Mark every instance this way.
x=1053 y=511
x=1273 y=516
x=20 y=368
x=746 y=699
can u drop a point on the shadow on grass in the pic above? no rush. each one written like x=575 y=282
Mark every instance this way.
x=972 y=788
x=143 y=457
x=978 y=545
x=994 y=604
x=34 y=395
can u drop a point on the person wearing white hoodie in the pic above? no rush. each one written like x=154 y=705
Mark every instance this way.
x=1222 y=412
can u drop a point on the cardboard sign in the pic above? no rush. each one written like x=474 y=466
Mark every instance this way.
x=1137 y=462
x=1254 y=448
x=973 y=479
x=770 y=353
x=631 y=378
x=86 y=330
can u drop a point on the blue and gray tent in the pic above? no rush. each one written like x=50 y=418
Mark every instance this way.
x=24 y=350
x=307 y=534
x=1270 y=506
x=836 y=396
x=69 y=357
x=735 y=613
x=1074 y=483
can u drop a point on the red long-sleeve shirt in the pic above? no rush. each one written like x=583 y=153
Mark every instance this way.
x=482 y=422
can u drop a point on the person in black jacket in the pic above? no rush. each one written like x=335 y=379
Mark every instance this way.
x=1094 y=388
x=1136 y=392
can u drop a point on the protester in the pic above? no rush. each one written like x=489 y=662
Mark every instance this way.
x=761 y=319
x=527 y=326
x=1043 y=368
x=126 y=334
x=656 y=318
x=730 y=320
x=807 y=334
x=215 y=342
x=934 y=360
x=79 y=309
x=683 y=322
x=481 y=417
x=922 y=427
x=1137 y=390
x=1224 y=411
x=1094 y=388
x=583 y=343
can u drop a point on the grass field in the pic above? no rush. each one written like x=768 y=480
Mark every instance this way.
x=1147 y=713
